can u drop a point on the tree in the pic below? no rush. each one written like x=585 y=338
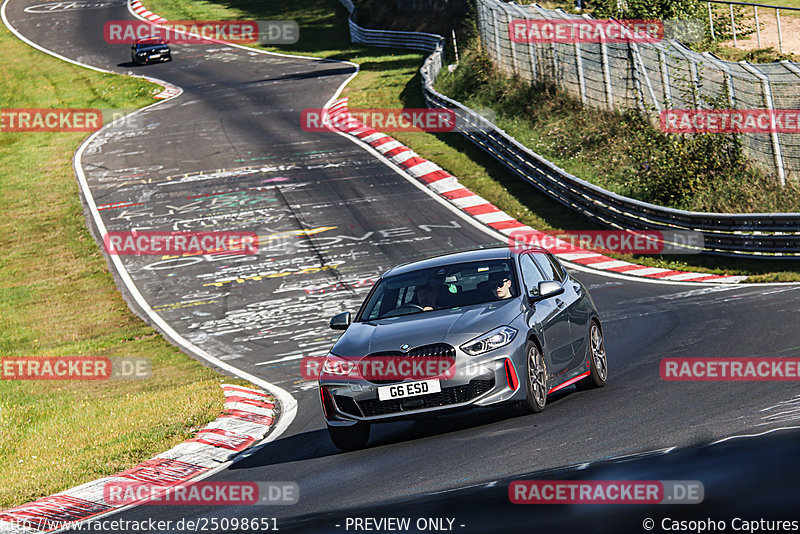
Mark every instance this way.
x=646 y=9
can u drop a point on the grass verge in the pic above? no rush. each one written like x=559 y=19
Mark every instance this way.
x=57 y=298
x=390 y=79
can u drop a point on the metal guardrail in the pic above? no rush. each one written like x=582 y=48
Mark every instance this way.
x=760 y=235
x=424 y=42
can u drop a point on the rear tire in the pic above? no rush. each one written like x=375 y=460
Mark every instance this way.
x=349 y=438
x=535 y=380
x=598 y=363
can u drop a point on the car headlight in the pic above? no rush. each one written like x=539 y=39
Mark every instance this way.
x=499 y=337
x=339 y=367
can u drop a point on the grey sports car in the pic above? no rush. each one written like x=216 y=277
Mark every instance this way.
x=478 y=328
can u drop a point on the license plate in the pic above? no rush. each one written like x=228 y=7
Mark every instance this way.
x=409 y=389
x=155 y=56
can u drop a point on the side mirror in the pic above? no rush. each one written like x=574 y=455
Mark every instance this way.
x=341 y=321
x=547 y=290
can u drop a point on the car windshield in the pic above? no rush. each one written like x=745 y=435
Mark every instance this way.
x=150 y=46
x=444 y=287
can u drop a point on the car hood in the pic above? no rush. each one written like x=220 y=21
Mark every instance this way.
x=453 y=326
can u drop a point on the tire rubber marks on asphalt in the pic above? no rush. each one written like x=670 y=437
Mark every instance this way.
x=784 y=411
x=222 y=174
x=278 y=319
x=247 y=417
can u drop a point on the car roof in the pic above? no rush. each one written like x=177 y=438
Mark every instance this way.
x=151 y=42
x=481 y=254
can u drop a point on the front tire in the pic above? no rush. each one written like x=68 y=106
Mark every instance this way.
x=598 y=363
x=535 y=380
x=349 y=438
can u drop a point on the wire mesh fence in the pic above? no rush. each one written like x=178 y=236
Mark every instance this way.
x=648 y=76
x=761 y=235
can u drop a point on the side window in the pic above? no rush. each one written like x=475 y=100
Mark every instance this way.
x=378 y=306
x=530 y=274
x=549 y=270
x=559 y=269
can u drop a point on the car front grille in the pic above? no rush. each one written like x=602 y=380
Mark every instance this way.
x=451 y=395
x=436 y=350
x=441 y=350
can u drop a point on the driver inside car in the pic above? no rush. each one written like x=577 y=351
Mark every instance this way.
x=427 y=297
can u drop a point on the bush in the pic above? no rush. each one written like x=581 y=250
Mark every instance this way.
x=647 y=9
x=670 y=169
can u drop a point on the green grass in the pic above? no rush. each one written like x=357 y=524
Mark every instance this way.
x=757 y=55
x=57 y=298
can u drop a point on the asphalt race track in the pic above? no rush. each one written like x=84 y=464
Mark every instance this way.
x=229 y=153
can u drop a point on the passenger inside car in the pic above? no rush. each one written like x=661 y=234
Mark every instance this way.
x=500 y=285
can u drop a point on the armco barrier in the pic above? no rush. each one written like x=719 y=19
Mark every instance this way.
x=758 y=235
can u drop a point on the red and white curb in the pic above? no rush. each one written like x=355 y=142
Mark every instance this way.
x=245 y=421
x=144 y=13
x=448 y=187
x=169 y=89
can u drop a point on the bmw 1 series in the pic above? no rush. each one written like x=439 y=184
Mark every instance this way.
x=487 y=327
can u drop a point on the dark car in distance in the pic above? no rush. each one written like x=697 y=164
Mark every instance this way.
x=150 y=50
x=510 y=326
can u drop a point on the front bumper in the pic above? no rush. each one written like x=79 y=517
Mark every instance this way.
x=478 y=381
x=152 y=59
